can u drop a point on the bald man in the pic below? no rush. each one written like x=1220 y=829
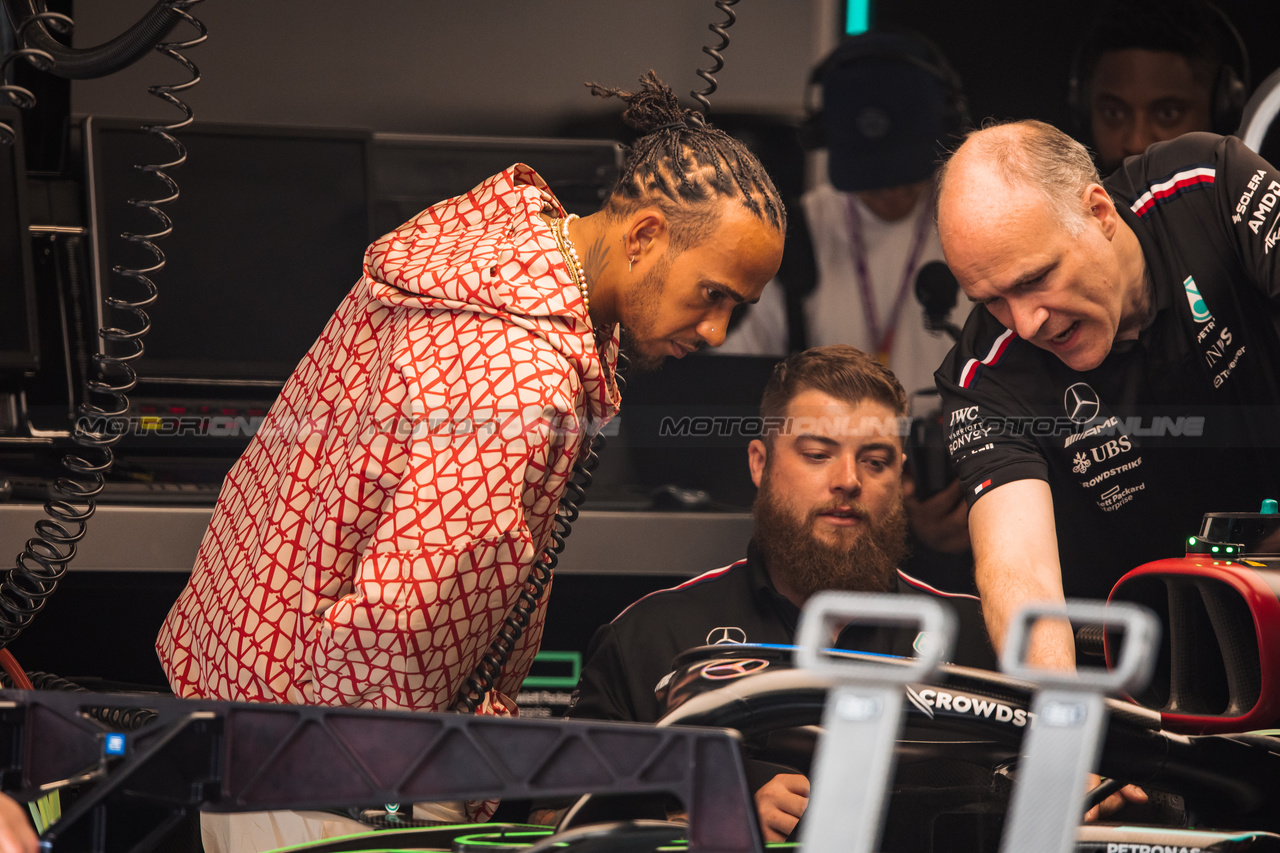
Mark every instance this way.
x=1122 y=379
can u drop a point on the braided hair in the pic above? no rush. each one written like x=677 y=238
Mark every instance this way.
x=680 y=164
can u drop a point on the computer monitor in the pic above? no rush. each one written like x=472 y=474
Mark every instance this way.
x=685 y=429
x=18 y=341
x=413 y=172
x=269 y=231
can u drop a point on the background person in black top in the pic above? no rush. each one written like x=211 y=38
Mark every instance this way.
x=1151 y=70
x=1121 y=381
x=828 y=515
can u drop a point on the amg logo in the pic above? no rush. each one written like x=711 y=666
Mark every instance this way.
x=1105 y=425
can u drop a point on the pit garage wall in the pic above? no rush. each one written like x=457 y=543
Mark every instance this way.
x=134 y=561
x=516 y=67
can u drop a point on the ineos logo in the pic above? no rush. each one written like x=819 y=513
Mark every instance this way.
x=727 y=669
x=719 y=636
x=1081 y=403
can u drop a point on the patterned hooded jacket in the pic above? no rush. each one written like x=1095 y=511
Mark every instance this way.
x=368 y=544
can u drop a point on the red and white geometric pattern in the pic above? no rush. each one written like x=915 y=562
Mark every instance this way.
x=368 y=544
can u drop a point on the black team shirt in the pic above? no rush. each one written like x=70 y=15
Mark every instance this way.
x=629 y=657
x=1180 y=422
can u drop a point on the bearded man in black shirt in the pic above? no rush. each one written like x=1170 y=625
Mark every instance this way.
x=828 y=515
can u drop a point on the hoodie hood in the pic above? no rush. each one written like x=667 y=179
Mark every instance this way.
x=489 y=251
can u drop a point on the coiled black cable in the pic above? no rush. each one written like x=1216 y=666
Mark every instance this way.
x=480 y=682
x=43 y=562
x=85 y=63
x=720 y=29
x=120 y=719
x=490 y=667
x=20 y=96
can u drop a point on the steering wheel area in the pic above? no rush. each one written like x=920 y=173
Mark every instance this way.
x=956 y=757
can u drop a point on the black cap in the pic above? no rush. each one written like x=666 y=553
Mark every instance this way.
x=886 y=107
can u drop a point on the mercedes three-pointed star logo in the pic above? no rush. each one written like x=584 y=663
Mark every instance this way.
x=731 y=634
x=724 y=670
x=1081 y=403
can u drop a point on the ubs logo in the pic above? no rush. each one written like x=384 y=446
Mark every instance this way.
x=1081 y=403
x=720 y=636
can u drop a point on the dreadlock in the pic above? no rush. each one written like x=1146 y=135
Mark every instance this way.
x=681 y=163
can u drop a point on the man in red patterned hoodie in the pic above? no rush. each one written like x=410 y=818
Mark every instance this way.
x=369 y=543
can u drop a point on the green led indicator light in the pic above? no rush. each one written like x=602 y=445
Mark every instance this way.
x=857 y=17
x=1215 y=549
x=1191 y=540
x=1229 y=549
x=568 y=663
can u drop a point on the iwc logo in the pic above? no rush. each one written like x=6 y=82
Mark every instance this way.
x=1199 y=311
x=720 y=636
x=1081 y=403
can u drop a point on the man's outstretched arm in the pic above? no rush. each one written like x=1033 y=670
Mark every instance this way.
x=1015 y=550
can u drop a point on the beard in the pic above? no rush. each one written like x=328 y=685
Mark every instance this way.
x=639 y=310
x=638 y=361
x=863 y=559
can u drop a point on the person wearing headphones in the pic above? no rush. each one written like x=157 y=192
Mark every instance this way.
x=890 y=100
x=1151 y=70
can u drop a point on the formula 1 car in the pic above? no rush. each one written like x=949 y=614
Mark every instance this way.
x=975 y=760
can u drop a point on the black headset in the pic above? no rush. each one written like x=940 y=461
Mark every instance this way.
x=1227 y=96
x=904 y=46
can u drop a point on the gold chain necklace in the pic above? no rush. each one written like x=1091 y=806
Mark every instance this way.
x=571 y=256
